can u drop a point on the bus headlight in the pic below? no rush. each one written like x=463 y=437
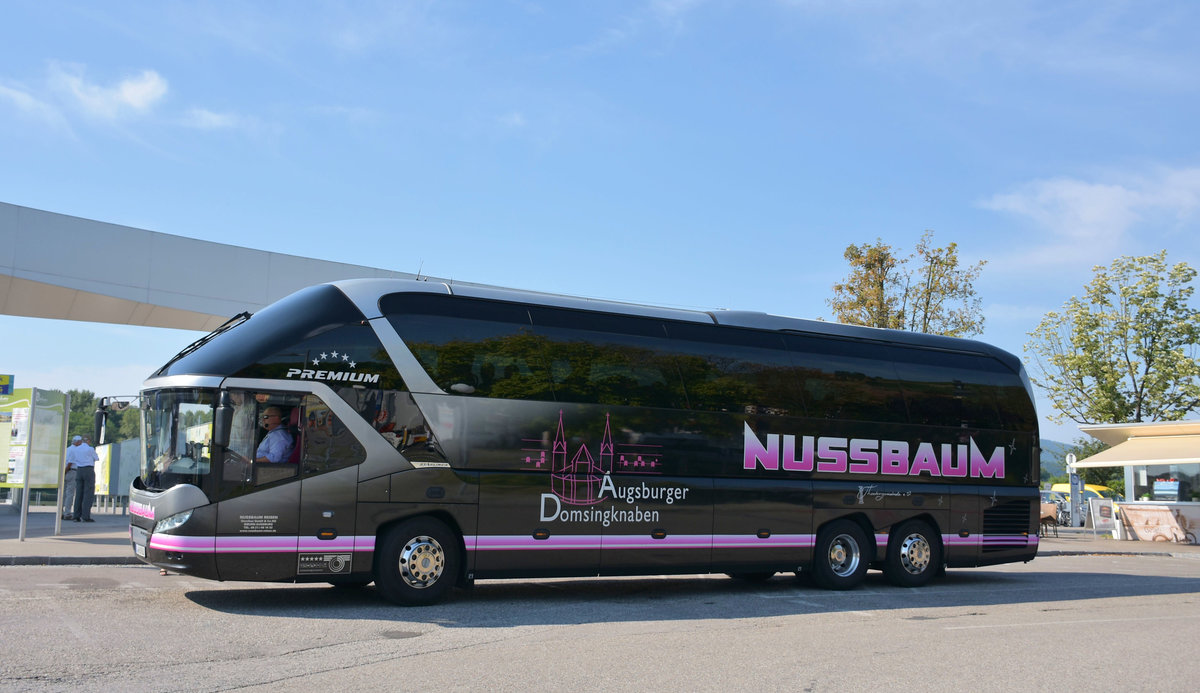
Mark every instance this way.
x=173 y=522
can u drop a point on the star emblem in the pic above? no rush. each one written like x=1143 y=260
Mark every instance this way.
x=342 y=356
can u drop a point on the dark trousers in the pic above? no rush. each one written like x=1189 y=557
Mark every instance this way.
x=85 y=492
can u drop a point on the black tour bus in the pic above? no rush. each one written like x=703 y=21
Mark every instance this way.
x=443 y=433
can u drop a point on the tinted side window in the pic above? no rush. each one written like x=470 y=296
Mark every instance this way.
x=608 y=359
x=731 y=370
x=325 y=442
x=472 y=347
x=949 y=389
x=847 y=380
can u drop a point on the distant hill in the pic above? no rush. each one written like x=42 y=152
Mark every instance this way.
x=1053 y=453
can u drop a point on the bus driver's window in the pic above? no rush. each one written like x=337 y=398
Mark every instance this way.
x=277 y=445
x=261 y=440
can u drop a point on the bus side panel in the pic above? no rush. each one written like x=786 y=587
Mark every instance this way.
x=524 y=530
x=1009 y=518
x=257 y=534
x=964 y=535
x=659 y=524
x=762 y=525
x=879 y=507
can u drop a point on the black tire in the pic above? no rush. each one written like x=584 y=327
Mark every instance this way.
x=752 y=577
x=418 y=563
x=914 y=554
x=841 y=556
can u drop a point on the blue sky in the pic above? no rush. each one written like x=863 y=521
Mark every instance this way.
x=697 y=153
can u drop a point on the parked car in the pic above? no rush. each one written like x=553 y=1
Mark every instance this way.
x=1089 y=491
x=1062 y=506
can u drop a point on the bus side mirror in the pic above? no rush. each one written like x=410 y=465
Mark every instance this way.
x=223 y=421
x=98 y=427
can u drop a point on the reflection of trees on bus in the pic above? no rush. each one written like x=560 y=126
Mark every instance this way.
x=781 y=383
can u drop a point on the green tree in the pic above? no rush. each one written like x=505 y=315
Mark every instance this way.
x=83 y=408
x=936 y=296
x=121 y=425
x=940 y=296
x=873 y=293
x=1126 y=351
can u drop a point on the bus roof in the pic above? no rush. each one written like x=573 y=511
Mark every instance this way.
x=366 y=293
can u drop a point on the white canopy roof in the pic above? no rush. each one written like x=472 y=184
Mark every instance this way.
x=1164 y=442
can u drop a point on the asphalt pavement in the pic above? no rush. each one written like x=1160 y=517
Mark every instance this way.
x=106 y=541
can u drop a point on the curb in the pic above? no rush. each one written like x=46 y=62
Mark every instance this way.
x=1103 y=552
x=70 y=560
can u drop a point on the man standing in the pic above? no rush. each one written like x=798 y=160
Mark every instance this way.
x=84 y=457
x=68 y=504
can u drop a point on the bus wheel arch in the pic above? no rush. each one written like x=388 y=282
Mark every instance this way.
x=842 y=554
x=915 y=554
x=418 y=561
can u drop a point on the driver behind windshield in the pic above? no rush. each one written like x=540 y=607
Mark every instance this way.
x=277 y=444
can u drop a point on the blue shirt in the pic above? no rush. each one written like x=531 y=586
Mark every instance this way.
x=275 y=446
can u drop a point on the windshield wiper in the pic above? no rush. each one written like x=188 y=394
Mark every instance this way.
x=225 y=327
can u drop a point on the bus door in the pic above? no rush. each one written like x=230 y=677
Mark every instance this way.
x=290 y=512
x=257 y=532
x=327 y=519
x=328 y=457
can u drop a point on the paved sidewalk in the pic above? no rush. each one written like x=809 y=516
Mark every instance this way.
x=106 y=541
x=103 y=542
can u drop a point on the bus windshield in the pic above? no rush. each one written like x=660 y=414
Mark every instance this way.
x=177 y=432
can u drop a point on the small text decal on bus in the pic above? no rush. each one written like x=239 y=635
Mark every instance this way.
x=863 y=456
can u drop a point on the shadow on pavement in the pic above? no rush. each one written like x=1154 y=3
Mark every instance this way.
x=600 y=600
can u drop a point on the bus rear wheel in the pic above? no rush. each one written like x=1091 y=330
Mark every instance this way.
x=418 y=563
x=914 y=555
x=840 y=556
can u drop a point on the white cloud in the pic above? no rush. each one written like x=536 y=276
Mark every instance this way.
x=134 y=95
x=33 y=107
x=665 y=16
x=1107 y=40
x=204 y=119
x=1093 y=221
x=1072 y=209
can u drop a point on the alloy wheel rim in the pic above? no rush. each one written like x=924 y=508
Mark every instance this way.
x=422 y=561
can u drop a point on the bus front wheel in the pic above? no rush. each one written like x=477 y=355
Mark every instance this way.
x=840 y=556
x=914 y=555
x=418 y=563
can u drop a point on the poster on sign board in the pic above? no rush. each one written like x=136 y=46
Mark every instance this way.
x=1104 y=519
